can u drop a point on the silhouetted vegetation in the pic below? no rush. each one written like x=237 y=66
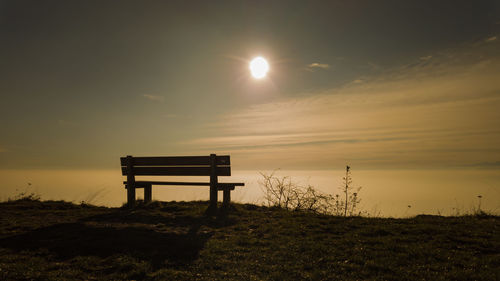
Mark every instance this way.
x=282 y=192
x=350 y=200
x=27 y=194
x=55 y=240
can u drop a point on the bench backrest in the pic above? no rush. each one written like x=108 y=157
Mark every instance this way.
x=177 y=165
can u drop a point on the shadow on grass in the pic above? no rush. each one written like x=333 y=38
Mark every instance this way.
x=118 y=233
x=149 y=218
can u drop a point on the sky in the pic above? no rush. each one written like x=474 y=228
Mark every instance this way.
x=373 y=84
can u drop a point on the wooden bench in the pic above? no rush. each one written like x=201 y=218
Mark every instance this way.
x=212 y=166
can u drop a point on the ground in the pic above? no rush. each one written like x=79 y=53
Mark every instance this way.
x=177 y=241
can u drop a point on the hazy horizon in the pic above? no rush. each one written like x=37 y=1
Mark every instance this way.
x=384 y=193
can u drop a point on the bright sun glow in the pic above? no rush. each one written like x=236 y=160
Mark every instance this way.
x=259 y=67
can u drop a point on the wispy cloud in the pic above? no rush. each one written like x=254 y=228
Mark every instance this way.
x=423 y=114
x=154 y=98
x=494 y=164
x=491 y=39
x=315 y=66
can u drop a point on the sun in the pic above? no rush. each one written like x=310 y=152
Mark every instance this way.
x=259 y=67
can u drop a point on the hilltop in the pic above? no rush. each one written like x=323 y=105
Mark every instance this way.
x=48 y=240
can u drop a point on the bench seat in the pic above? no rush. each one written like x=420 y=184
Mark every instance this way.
x=220 y=185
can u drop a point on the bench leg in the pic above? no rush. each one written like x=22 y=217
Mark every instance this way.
x=130 y=182
x=213 y=198
x=130 y=195
x=148 y=194
x=212 y=208
x=226 y=199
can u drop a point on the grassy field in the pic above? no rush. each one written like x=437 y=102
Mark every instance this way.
x=175 y=240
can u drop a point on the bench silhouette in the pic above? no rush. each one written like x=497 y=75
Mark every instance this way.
x=213 y=166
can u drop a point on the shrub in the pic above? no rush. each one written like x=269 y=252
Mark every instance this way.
x=25 y=195
x=284 y=193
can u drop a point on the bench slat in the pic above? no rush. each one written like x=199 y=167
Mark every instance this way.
x=224 y=184
x=220 y=186
x=177 y=171
x=176 y=161
x=141 y=183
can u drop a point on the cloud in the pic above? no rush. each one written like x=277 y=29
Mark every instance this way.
x=426 y=58
x=491 y=39
x=314 y=66
x=493 y=164
x=154 y=98
x=437 y=113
